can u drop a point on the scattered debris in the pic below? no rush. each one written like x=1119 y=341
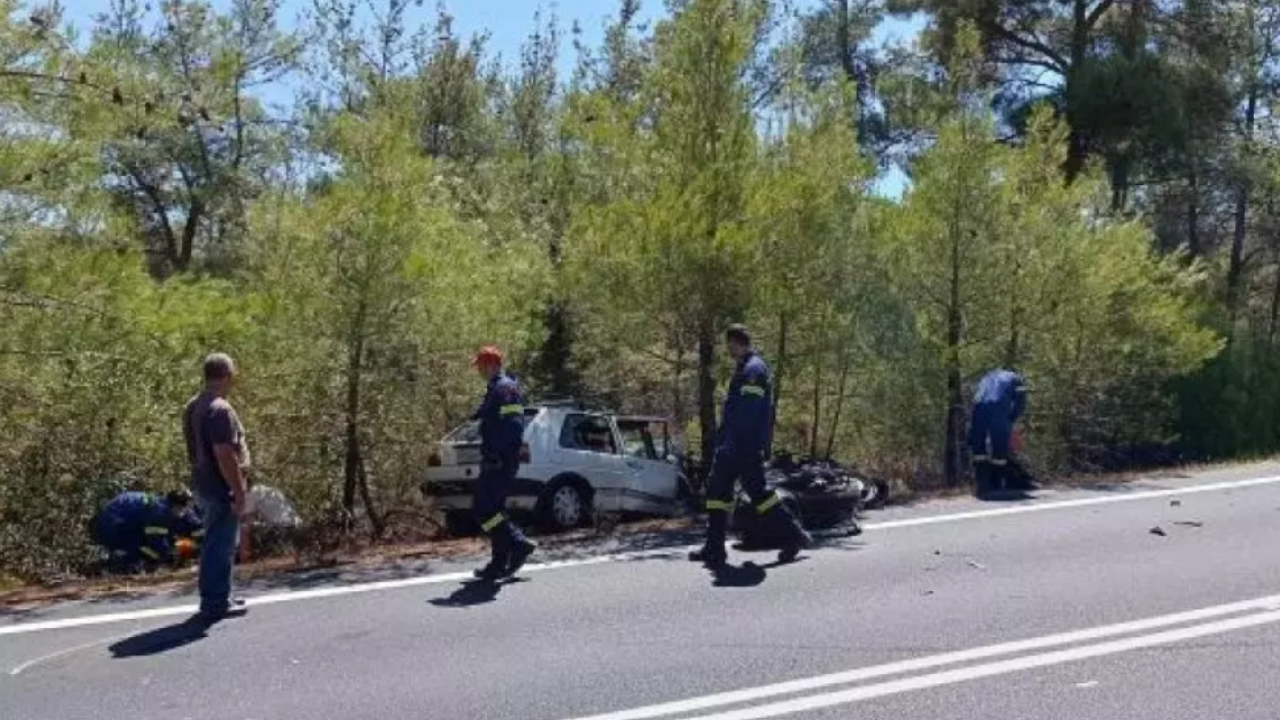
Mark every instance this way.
x=1087 y=684
x=1189 y=523
x=1175 y=503
x=926 y=593
x=1157 y=530
x=977 y=565
x=937 y=552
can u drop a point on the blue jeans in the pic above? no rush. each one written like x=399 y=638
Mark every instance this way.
x=218 y=551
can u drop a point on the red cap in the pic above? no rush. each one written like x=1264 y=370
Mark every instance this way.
x=489 y=354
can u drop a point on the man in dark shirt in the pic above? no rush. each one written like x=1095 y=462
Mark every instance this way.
x=219 y=457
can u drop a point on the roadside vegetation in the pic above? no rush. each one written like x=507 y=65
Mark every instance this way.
x=352 y=202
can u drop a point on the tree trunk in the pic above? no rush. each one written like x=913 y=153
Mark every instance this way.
x=816 y=424
x=955 y=403
x=1272 y=329
x=707 y=388
x=1077 y=141
x=835 y=413
x=1235 y=271
x=376 y=523
x=352 y=459
x=780 y=363
x=1193 y=211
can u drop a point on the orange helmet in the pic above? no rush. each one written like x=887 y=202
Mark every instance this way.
x=488 y=355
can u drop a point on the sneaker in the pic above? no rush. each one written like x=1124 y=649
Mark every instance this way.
x=519 y=556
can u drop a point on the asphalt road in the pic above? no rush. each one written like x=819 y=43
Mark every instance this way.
x=1064 y=606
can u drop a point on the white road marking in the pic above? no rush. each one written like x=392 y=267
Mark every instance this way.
x=1266 y=604
x=976 y=672
x=1067 y=504
x=18 y=670
x=357 y=588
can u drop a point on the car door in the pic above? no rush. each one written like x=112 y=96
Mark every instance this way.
x=588 y=447
x=652 y=480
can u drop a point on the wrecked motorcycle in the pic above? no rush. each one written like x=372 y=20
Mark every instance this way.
x=823 y=495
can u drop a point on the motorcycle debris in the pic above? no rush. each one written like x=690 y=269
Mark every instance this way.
x=1175 y=503
x=977 y=565
x=1157 y=530
x=1189 y=523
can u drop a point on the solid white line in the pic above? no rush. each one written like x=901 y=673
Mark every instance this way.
x=1067 y=504
x=1269 y=603
x=296 y=595
x=950 y=677
x=357 y=588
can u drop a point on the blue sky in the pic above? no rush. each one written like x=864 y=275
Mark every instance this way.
x=509 y=22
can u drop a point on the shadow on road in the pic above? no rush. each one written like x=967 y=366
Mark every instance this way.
x=474 y=592
x=746 y=575
x=1006 y=496
x=162 y=639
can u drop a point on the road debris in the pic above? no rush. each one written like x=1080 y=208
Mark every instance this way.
x=1157 y=530
x=926 y=593
x=1175 y=503
x=1087 y=684
x=1189 y=523
x=977 y=565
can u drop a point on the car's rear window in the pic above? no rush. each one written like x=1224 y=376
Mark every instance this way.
x=590 y=433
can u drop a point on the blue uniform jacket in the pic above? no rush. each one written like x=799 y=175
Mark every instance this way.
x=138 y=523
x=1003 y=389
x=501 y=417
x=746 y=424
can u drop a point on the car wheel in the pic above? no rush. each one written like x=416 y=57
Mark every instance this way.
x=564 y=506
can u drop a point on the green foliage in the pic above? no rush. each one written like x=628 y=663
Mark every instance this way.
x=422 y=198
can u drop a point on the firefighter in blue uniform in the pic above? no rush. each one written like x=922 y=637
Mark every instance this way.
x=501 y=417
x=1000 y=400
x=742 y=446
x=139 y=529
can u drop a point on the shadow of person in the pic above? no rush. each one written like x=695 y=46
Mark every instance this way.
x=1011 y=495
x=162 y=639
x=474 y=592
x=738 y=576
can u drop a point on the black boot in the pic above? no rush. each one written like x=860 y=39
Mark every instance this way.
x=519 y=554
x=712 y=553
x=495 y=570
x=796 y=537
x=982 y=479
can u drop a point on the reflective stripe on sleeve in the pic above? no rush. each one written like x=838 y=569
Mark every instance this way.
x=719 y=505
x=769 y=503
x=755 y=390
x=511 y=410
x=493 y=522
x=155 y=530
